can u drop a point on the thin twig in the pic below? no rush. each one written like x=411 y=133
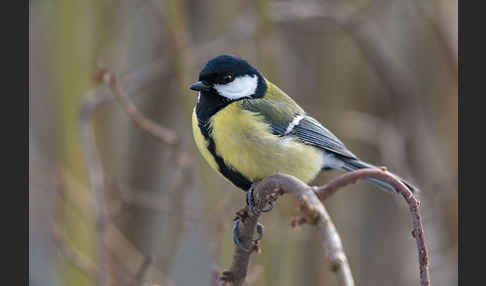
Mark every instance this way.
x=418 y=233
x=96 y=177
x=315 y=214
x=90 y=102
x=180 y=158
x=164 y=134
x=132 y=81
x=268 y=190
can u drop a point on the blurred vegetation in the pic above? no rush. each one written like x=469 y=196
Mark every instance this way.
x=382 y=75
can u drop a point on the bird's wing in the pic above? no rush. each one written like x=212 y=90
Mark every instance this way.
x=276 y=114
x=287 y=119
x=312 y=132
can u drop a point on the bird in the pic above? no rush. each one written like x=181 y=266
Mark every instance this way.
x=247 y=129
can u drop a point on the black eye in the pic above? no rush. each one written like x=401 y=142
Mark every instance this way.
x=227 y=78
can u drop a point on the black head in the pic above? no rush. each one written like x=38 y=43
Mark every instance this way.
x=230 y=78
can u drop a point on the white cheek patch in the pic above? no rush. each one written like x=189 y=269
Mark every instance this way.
x=243 y=86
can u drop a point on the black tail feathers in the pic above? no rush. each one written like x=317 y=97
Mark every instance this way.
x=355 y=164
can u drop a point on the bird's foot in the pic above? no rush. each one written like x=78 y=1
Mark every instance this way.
x=251 y=202
x=242 y=215
x=236 y=236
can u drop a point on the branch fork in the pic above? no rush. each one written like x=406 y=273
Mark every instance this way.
x=314 y=213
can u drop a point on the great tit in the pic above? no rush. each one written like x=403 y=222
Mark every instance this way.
x=248 y=129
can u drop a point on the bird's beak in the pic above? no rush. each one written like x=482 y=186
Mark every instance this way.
x=199 y=86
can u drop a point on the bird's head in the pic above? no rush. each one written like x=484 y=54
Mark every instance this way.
x=230 y=78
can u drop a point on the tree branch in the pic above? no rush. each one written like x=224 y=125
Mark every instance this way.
x=309 y=199
x=418 y=233
x=160 y=132
x=241 y=258
x=96 y=176
x=268 y=190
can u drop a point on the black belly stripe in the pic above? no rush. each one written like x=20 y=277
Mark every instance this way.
x=208 y=105
x=234 y=176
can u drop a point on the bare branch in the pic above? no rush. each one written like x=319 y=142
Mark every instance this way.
x=180 y=158
x=131 y=81
x=268 y=190
x=96 y=177
x=418 y=233
x=315 y=214
x=162 y=133
x=241 y=258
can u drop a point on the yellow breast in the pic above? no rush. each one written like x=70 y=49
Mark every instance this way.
x=248 y=146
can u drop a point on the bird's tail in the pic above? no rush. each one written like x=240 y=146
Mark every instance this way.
x=355 y=164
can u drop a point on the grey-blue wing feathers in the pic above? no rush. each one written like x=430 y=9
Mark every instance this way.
x=310 y=131
x=281 y=117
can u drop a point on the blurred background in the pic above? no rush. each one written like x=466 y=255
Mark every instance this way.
x=381 y=74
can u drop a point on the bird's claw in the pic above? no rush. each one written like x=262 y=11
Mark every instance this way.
x=259 y=228
x=236 y=234
x=251 y=202
x=269 y=208
x=259 y=231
